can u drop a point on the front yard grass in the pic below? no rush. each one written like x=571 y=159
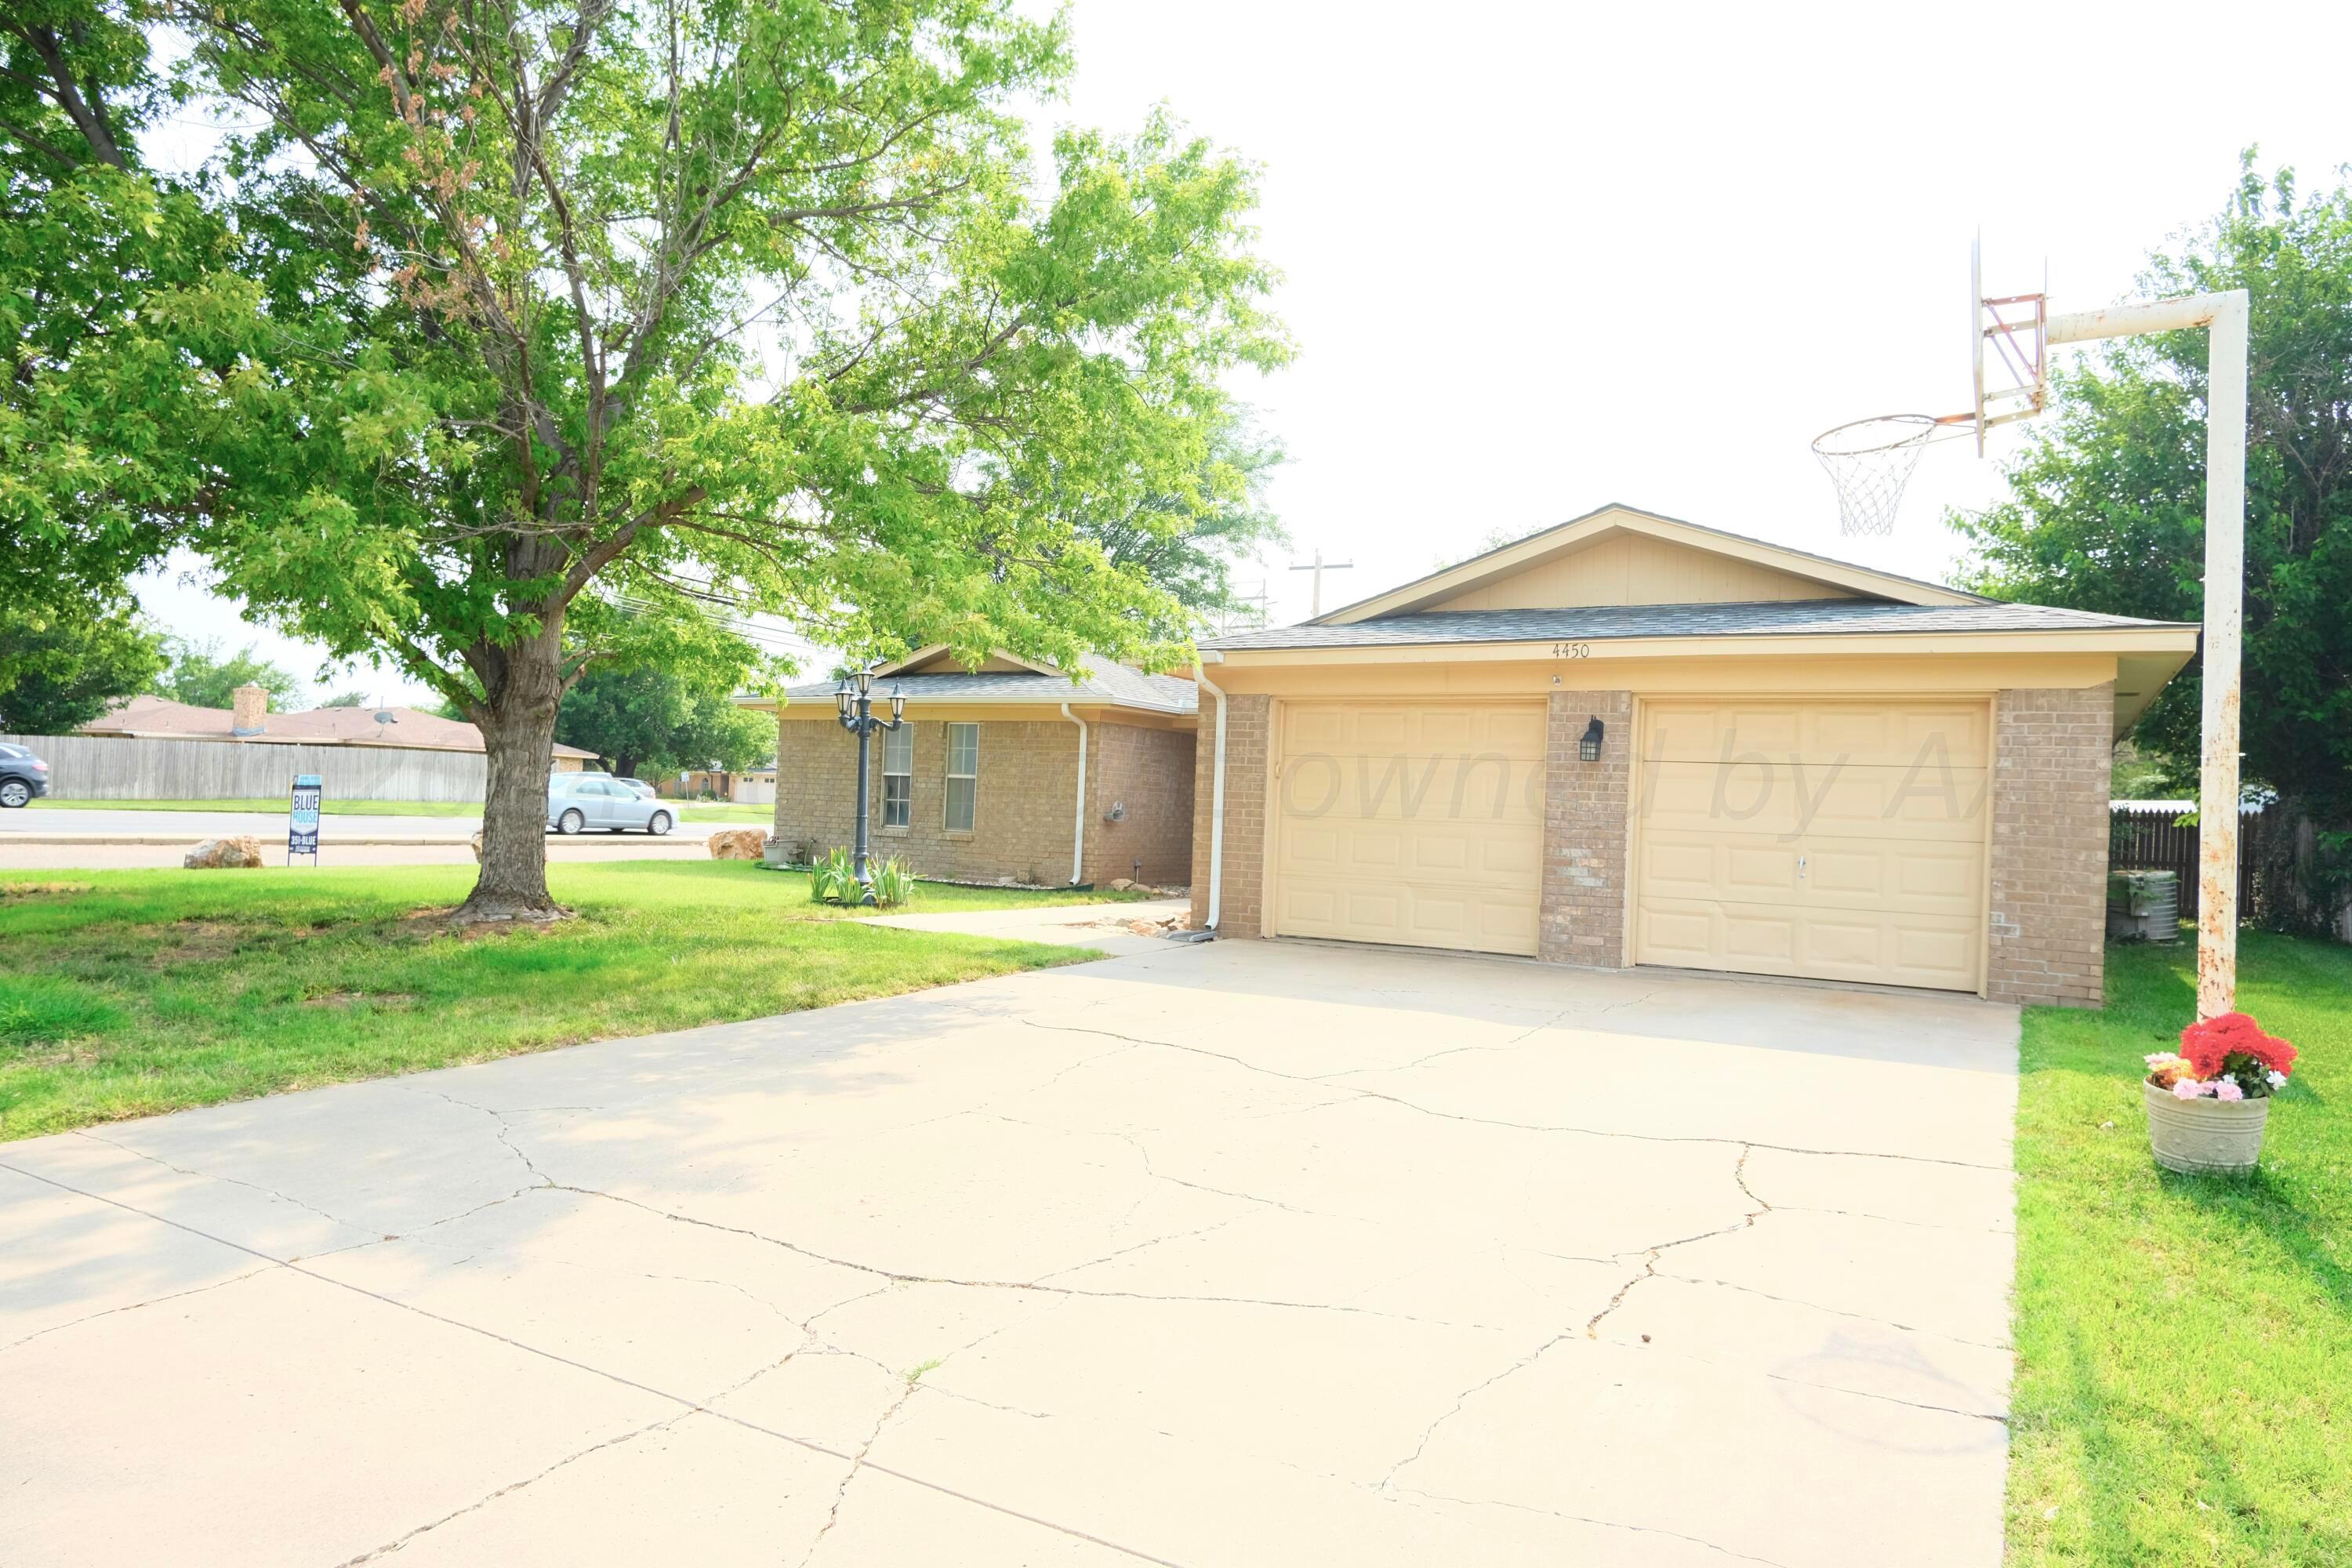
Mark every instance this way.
x=127 y=993
x=2184 y=1381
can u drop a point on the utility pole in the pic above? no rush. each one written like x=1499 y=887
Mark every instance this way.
x=1318 y=566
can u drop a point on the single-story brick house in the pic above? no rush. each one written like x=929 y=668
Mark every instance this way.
x=1014 y=771
x=1633 y=741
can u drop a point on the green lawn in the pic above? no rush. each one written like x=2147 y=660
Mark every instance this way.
x=688 y=810
x=127 y=993
x=2184 y=1385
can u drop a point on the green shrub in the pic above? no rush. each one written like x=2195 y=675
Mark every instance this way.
x=833 y=879
x=894 y=882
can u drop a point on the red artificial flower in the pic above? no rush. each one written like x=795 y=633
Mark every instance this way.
x=2209 y=1044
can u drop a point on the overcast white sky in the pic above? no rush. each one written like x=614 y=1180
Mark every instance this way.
x=1541 y=257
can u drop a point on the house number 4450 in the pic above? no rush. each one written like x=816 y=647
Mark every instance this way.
x=1571 y=650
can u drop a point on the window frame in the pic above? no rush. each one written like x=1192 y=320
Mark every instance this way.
x=952 y=778
x=903 y=736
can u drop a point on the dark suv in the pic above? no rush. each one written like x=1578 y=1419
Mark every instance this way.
x=23 y=776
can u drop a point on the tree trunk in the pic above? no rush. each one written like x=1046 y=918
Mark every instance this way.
x=625 y=766
x=518 y=724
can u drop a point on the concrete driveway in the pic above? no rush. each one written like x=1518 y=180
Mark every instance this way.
x=1242 y=1254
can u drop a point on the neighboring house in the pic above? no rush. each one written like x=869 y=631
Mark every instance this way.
x=158 y=718
x=1798 y=767
x=1014 y=770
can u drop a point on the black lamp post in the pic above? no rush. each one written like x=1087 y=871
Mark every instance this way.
x=855 y=698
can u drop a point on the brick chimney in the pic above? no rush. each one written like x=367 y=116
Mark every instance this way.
x=247 y=717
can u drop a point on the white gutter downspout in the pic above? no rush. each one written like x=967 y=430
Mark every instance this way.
x=1216 y=795
x=1078 y=833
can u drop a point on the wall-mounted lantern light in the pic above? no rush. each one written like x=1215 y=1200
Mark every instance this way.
x=1588 y=749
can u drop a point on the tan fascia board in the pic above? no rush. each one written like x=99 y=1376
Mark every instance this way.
x=2094 y=639
x=1517 y=556
x=923 y=655
x=994 y=708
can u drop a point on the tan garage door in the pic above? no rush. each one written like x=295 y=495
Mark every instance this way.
x=1419 y=824
x=1840 y=841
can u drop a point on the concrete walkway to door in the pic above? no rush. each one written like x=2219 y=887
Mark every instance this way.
x=1247 y=1253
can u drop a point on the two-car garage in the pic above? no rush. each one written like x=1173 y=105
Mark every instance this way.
x=1824 y=839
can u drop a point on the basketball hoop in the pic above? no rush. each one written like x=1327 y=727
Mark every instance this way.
x=1869 y=461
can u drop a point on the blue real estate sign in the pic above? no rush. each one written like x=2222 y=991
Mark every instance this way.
x=302 y=827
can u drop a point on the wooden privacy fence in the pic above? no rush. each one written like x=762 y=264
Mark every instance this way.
x=2147 y=836
x=118 y=767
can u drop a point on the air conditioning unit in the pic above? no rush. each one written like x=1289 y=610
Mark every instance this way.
x=2144 y=906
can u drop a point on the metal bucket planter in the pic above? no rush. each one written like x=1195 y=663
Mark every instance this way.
x=2204 y=1137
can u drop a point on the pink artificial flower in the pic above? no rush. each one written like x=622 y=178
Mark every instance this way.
x=2187 y=1088
x=2228 y=1089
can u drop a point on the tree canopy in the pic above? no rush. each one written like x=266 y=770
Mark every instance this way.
x=505 y=341
x=650 y=719
x=202 y=676
x=62 y=666
x=2106 y=507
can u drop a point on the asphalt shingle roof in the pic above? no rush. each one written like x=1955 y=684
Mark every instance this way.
x=1596 y=623
x=1108 y=683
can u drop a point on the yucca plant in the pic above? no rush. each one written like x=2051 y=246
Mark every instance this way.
x=894 y=882
x=833 y=879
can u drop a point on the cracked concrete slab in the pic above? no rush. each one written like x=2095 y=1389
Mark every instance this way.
x=1244 y=1253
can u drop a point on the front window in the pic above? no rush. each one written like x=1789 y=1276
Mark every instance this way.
x=963 y=776
x=899 y=776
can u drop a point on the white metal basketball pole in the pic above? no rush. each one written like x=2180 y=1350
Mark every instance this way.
x=2224 y=318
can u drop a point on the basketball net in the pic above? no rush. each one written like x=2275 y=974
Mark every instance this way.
x=1870 y=461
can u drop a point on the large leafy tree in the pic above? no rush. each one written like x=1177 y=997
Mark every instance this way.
x=63 y=664
x=1188 y=536
x=532 y=332
x=90 y=487
x=2106 y=507
x=638 y=719
x=202 y=675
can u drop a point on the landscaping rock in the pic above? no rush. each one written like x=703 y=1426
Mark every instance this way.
x=240 y=853
x=737 y=844
x=1121 y=884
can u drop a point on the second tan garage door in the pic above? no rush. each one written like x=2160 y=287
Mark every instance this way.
x=1416 y=823
x=1838 y=841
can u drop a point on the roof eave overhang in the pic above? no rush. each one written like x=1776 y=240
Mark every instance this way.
x=1042 y=707
x=2165 y=640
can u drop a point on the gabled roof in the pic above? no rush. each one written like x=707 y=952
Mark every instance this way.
x=158 y=718
x=1835 y=577
x=1601 y=623
x=938 y=659
x=1108 y=685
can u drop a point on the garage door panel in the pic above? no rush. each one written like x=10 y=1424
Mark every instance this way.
x=1515 y=732
x=1787 y=800
x=1843 y=841
x=1931 y=877
x=1481 y=919
x=1414 y=824
x=1937 y=951
x=1320 y=786
x=1925 y=736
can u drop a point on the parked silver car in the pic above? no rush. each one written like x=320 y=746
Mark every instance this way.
x=579 y=802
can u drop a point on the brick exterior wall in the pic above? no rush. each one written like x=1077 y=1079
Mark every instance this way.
x=1587 y=806
x=1025 y=801
x=2051 y=750
x=1249 y=738
x=1026 y=805
x=1149 y=772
